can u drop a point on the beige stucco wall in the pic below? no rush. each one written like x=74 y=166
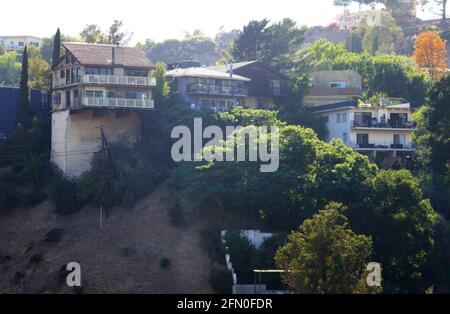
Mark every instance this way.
x=76 y=137
x=324 y=78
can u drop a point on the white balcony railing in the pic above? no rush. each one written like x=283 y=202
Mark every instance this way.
x=119 y=103
x=119 y=80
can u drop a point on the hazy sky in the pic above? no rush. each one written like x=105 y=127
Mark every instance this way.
x=159 y=19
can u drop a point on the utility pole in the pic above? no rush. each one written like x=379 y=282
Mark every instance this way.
x=106 y=156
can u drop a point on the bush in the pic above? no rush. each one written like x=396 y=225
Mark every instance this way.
x=177 y=215
x=64 y=195
x=221 y=281
x=34 y=198
x=9 y=195
x=165 y=263
x=212 y=242
x=89 y=188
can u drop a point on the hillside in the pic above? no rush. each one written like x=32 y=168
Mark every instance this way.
x=124 y=256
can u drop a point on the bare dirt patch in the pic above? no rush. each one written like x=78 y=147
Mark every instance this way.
x=123 y=257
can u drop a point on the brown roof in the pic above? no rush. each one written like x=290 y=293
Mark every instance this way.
x=102 y=55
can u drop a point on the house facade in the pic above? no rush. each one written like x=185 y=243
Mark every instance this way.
x=97 y=87
x=266 y=87
x=206 y=88
x=333 y=86
x=383 y=131
x=18 y=43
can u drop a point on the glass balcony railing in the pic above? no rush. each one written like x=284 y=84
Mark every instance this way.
x=119 y=80
x=118 y=103
x=213 y=89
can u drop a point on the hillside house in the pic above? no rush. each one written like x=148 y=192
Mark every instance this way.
x=266 y=87
x=383 y=131
x=334 y=86
x=97 y=86
x=206 y=88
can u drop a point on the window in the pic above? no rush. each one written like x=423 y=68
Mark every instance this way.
x=326 y=119
x=275 y=86
x=344 y=117
x=63 y=74
x=345 y=138
x=338 y=118
x=21 y=44
x=362 y=140
x=97 y=71
x=136 y=72
x=56 y=98
x=94 y=93
x=338 y=84
x=68 y=76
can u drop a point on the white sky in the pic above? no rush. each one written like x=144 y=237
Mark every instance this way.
x=159 y=19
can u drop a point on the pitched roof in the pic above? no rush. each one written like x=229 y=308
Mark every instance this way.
x=205 y=73
x=102 y=55
x=237 y=65
x=335 y=106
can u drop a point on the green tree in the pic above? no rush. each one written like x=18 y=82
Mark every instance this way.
x=250 y=41
x=382 y=38
x=162 y=86
x=325 y=256
x=93 y=34
x=9 y=69
x=269 y=44
x=116 y=35
x=24 y=100
x=56 y=46
x=395 y=206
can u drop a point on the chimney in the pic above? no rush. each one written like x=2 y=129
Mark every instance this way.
x=231 y=70
x=118 y=55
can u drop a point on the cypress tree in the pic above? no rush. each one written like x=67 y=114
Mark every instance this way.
x=24 y=100
x=56 y=46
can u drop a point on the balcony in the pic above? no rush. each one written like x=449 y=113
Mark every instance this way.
x=382 y=147
x=118 y=103
x=212 y=89
x=119 y=80
x=390 y=124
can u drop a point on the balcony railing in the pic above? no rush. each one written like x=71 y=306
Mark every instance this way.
x=382 y=146
x=213 y=89
x=390 y=124
x=118 y=103
x=119 y=80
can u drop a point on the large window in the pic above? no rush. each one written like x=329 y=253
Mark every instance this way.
x=136 y=72
x=97 y=71
x=94 y=93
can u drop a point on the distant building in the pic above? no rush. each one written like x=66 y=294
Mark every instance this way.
x=384 y=131
x=207 y=88
x=266 y=87
x=94 y=87
x=334 y=86
x=18 y=43
x=40 y=104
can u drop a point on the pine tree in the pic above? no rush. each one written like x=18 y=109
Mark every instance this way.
x=56 y=46
x=24 y=101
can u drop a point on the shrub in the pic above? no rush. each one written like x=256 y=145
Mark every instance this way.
x=89 y=188
x=9 y=196
x=212 y=243
x=177 y=215
x=165 y=263
x=221 y=281
x=64 y=195
x=34 y=198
